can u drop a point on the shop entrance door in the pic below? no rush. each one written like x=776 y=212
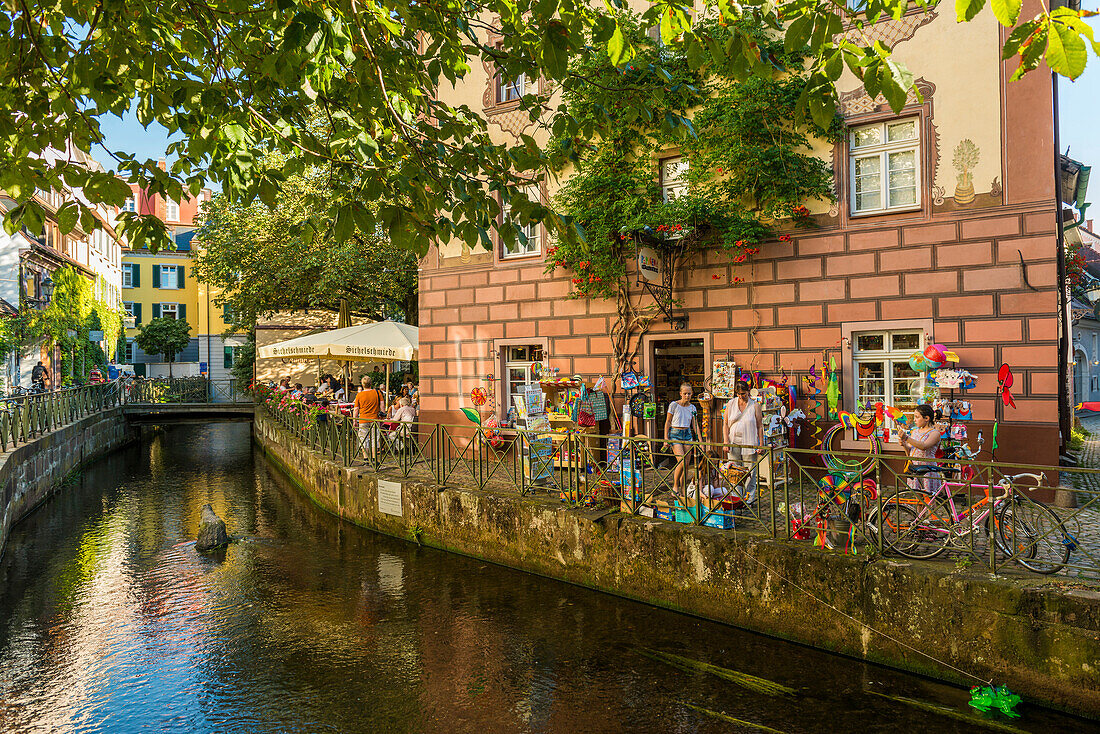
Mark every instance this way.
x=674 y=361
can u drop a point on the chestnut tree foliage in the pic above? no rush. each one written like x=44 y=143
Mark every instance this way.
x=236 y=80
x=257 y=257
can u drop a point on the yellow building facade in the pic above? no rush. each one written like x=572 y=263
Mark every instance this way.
x=163 y=284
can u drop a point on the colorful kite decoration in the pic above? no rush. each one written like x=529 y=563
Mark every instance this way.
x=863 y=427
x=897 y=415
x=832 y=390
x=818 y=409
x=1004 y=384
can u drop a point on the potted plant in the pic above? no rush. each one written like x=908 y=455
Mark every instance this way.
x=966 y=159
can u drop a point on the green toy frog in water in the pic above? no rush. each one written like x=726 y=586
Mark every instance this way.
x=988 y=698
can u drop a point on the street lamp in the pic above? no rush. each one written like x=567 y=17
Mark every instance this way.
x=47 y=291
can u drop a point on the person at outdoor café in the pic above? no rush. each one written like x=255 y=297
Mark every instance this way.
x=681 y=426
x=338 y=393
x=284 y=385
x=366 y=409
x=920 y=446
x=297 y=392
x=403 y=417
x=744 y=429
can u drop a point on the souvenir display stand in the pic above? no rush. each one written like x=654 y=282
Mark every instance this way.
x=559 y=417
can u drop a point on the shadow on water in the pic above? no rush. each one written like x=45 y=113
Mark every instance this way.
x=110 y=621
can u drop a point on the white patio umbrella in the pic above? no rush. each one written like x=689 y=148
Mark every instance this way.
x=382 y=341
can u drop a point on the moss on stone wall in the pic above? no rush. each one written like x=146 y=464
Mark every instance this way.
x=1037 y=638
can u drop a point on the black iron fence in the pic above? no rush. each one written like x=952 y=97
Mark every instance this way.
x=27 y=417
x=973 y=513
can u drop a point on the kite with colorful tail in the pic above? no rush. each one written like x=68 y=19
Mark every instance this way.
x=817 y=410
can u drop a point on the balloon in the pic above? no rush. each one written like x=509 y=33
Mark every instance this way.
x=918 y=362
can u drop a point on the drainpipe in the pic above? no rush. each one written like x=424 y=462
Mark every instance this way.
x=1080 y=219
x=1065 y=420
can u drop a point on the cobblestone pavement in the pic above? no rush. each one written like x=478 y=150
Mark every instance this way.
x=1084 y=521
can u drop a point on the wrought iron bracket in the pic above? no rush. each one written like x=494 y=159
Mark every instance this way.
x=662 y=293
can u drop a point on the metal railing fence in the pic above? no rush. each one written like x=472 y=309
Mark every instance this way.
x=192 y=390
x=995 y=515
x=27 y=417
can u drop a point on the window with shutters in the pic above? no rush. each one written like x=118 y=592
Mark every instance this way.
x=128 y=276
x=169 y=277
x=230 y=356
x=172 y=211
x=169 y=310
x=129 y=307
x=128 y=353
x=885 y=166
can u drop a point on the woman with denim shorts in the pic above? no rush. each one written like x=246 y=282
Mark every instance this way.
x=680 y=423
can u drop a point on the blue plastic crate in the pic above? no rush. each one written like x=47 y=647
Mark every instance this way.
x=720 y=517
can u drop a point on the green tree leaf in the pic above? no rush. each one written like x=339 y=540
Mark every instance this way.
x=1066 y=53
x=1006 y=11
x=965 y=10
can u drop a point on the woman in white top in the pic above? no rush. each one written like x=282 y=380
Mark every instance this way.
x=744 y=429
x=679 y=426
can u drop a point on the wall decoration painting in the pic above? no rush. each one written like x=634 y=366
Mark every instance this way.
x=723 y=379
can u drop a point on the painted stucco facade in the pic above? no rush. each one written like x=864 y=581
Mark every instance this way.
x=972 y=265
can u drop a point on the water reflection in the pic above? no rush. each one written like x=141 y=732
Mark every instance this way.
x=109 y=621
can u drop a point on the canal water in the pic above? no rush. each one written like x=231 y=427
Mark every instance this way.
x=110 y=622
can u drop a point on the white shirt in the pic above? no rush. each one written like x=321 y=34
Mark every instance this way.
x=681 y=414
x=743 y=428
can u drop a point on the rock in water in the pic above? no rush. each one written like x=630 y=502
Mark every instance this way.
x=211 y=531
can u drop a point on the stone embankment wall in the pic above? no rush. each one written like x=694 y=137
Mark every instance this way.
x=1038 y=638
x=30 y=472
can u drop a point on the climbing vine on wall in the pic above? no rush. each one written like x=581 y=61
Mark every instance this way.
x=750 y=168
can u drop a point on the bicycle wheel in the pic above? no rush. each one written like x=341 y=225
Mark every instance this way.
x=1032 y=535
x=911 y=525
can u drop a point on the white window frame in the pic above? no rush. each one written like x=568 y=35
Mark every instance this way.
x=672 y=175
x=510 y=90
x=127 y=275
x=533 y=245
x=130 y=205
x=889 y=356
x=171 y=210
x=128 y=352
x=882 y=151
x=175 y=308
x=174 y=279
x=128 y=307
x=525 y=365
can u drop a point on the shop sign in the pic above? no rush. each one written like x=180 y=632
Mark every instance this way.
x=649 y=264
